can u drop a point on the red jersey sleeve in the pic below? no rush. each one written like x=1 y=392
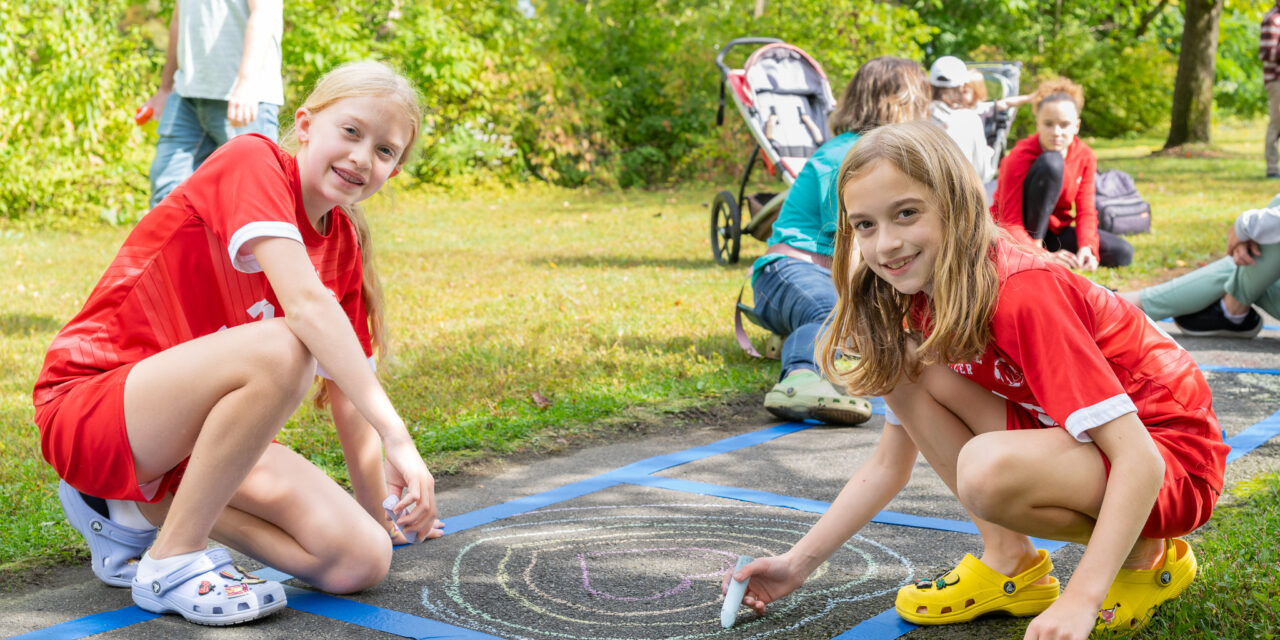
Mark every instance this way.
x=1086 y=206
x=245 y=190
x=1045 y=326
x=1006 y=205
x=352 y=302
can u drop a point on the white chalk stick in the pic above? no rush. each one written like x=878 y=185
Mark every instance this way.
x=733 y=595
x=388 y=505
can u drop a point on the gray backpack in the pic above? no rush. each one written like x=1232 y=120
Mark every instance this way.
x=1120 y=209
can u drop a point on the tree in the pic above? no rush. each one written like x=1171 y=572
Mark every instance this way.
x=1193 y=86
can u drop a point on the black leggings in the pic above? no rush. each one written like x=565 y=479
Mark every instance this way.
x=1040 y=192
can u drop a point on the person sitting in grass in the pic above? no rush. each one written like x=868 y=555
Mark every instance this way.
x=1217 y=299
x=1047 y=404
x=792 y=281
x=1049 y=173
x=226 y=301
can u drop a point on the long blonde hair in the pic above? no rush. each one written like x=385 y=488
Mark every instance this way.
x=885 y=90
x=870 y=318
x=357 y=80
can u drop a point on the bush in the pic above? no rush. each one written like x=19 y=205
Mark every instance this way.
x=70 y=149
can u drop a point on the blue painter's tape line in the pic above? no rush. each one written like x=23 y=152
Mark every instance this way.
x=1216 y=368
x=1253 y=437
x=377 y=618
x=884 y=626
x=480 y=517
x=877 y=406
x=733 y=493
x=817 y=506
x=91 y=625
x=660 y=463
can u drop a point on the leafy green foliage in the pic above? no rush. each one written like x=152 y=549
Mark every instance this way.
x=1238 y=88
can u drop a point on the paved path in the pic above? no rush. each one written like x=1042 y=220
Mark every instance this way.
x=629 y=540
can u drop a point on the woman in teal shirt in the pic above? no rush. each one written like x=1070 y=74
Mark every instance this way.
x=792 y=281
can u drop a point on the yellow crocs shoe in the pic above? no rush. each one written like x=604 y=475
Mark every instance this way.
x=973 y=589
x=1136 y=593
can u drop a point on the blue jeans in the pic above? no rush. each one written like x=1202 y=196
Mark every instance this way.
x=793 y=298
x=190 y=129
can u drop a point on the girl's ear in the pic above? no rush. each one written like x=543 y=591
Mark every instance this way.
x=302 y=125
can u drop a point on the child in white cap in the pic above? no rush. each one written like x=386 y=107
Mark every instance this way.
x=948 y=77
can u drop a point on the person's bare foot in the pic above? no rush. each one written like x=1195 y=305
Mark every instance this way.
x=1134 y=298
x=1147 y=553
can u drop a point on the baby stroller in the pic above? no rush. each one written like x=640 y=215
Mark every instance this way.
x=1003 y=80
x=785 y=98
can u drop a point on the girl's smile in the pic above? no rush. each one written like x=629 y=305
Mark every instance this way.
x=348 y=150
x=897 y=226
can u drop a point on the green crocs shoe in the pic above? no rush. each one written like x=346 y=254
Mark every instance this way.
x=804 y=394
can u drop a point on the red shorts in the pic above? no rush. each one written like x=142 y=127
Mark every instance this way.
x=1185 y=501
x=83 y=436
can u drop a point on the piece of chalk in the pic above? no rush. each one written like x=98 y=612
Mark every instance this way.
x=733 y=595
x=388 y=505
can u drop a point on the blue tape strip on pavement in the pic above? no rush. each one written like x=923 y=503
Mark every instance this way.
x=377 y=618
x=1253 y=437
x=663 y=462
x=479 y=517
x=885 y=626
x=91 y=625
x=877 y=406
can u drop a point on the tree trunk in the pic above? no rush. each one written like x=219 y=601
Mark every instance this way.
x=1193 y=87
x=759 y=8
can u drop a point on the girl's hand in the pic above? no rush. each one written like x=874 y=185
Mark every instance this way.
x=1063 y=258
x=1065 y=619
x=1086 y=260
x=407 y=477
x=770 y=579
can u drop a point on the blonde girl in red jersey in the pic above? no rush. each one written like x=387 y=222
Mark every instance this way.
x=200 y=341
x=1048 y=405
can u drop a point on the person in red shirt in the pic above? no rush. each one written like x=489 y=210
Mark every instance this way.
x=1048 y=173
x=204 y=336
x=1050 y=406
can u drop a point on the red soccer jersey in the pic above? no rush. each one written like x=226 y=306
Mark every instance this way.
x=183 y=272
x=1075 y=355
x=1077 y=190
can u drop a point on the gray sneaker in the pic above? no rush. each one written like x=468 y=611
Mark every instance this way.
x=804 y=394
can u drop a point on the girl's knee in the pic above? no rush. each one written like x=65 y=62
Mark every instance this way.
x=361 y=561
x=986 y=477
x=281 y=359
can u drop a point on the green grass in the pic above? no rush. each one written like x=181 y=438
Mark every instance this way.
x=606 y=303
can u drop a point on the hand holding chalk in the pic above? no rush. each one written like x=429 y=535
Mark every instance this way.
x=733 y=595
x=389 y=504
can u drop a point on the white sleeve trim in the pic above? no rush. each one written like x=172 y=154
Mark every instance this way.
x=373 y=364
x=245 y=262
x=1082 y=420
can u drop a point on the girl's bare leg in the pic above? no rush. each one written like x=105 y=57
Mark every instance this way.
x=290 y=515
x=220 y=399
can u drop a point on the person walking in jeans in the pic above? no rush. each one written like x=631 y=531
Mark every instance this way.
x=221 y=78
x=1269 y=53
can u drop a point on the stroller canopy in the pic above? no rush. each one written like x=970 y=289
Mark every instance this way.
x=790 y=99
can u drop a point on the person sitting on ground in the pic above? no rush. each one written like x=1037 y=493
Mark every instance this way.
x=792 y=282
x=1046 y=175
x=1217 y=299
x=1048 y=405
x=229 y=298
x=948 y=77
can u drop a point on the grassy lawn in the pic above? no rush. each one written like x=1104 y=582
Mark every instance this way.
x=605 y=303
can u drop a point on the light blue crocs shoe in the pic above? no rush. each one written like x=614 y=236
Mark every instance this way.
x=113 y=547
x=210 y=590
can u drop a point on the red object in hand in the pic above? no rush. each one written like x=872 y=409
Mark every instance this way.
x=143 y=114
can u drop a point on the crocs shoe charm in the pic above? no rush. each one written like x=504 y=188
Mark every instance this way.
x=236 y=590
x=1107 y=616
x=205 y=588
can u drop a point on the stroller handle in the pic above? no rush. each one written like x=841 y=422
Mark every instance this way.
x=724 y=69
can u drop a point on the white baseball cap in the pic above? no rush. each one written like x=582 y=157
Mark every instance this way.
x=948 y=71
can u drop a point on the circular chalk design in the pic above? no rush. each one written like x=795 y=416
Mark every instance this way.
x=644 y=571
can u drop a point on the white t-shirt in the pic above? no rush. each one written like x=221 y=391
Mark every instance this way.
x=965 y=127
x=211 y=41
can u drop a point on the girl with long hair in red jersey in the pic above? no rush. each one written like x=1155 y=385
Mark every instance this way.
x=159 y=401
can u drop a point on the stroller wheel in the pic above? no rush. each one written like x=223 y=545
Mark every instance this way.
x=726 y=228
